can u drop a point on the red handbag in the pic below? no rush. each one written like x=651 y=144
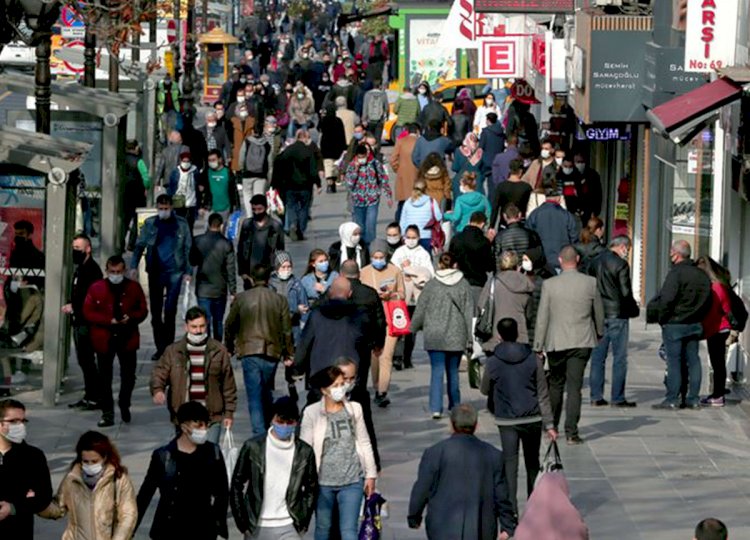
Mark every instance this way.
x=397 y=317
x=437 y=242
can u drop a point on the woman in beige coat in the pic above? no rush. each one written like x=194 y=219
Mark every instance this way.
x=96 y=495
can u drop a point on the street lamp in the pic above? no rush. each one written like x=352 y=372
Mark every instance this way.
x=188 y=83
x=31 y=21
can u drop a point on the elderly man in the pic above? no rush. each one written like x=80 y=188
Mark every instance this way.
x=216 y=136
x=169 y=158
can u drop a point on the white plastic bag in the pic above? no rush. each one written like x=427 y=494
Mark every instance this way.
x=230 y=452
x=187 y=300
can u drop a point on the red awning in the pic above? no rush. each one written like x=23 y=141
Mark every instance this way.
x=696 y=104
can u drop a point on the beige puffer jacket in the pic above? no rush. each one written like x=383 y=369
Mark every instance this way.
x=108 y=512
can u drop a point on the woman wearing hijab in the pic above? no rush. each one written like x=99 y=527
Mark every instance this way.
x=350 y=246
x=549 y=514
x=467 y=158
x=465 y=103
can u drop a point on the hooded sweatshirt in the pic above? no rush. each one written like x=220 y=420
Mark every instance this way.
x=512 y=291
x=466 y=205
x=419 y=213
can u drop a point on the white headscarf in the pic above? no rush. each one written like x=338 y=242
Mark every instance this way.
x=346 y=230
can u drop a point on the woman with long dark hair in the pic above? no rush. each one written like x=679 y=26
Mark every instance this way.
x=591 y=243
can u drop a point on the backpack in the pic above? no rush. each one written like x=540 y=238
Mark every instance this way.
x=255 y=157
x=375 y=110
x=737 y=311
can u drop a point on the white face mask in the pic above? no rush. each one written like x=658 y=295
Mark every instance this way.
x=284 y=274
x=422 y=91
x=92 y=469
x=567 y=170
x=545 y=154
x=338 y=394
x=581 y=167
x=185 y=165
x=411 y=243
x=355 y=239
x=349 y=387
x=240 y=99
x=242 y=114
x=527 y=265
x=213 y=164
x=14 y=286
x=164 y=214
x=211 y=125
x=197 y=339
x=464 y=189
x=115 y=279
x=16 y=433
x=558 y=161
x=198 y=436
x=393 y=239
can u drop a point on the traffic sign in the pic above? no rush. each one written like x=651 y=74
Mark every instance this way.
x=171 y=30
x=69 y=17
x=75 y=68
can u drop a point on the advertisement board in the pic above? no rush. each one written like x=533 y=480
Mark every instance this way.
x=427 y=61
x=22 y=198
x=710 y=34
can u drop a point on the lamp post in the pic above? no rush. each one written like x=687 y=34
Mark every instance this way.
x=188 y=83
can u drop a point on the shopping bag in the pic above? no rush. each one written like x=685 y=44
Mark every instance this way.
x=475 y=371
x=437 y=241
x=275 y=204
x=736 y=363
x=483 y=330
x=551 y=462
x=233 y=225
x=230 y=452
x=397 y=317
x=187 y=300
x=372 y=524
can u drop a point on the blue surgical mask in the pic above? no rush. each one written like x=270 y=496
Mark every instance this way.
x=358 y=135
x=322 y=266
x=378 y=264
x=284 y=431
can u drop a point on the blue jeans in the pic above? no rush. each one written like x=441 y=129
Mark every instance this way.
x=616 y=332
x=681 y=345
x=349 y=500
x=214 y=308
x=367 y=219
x=259 y=372
x=444 y=361
x=163 y=293
x=298 y=208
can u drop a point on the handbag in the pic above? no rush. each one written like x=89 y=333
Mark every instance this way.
x=483 y=330
x=178 y=201
x=397 y=317
x=551 y=462
x=372 y=524
x=275 y=204
x=437 y=242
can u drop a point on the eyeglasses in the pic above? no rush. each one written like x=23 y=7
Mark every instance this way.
x=14 y=421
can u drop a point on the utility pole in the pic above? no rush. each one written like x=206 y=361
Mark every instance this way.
x=42 y=82
x=89 y=59
x=188 y=84
x=178 y=39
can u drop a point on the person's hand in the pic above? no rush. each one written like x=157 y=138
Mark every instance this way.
x=552 y=434
x=369 y=486
x=231 y=298
x=289 y=362
x=303 y=308
x=67 y=309
x=319 y=190
x=5 y=510
x=114 y=321
x=503 y=536
x=491 y=234
x=406 y=263
x=228 y=422
x=160 y=398
x=320 y=287
x=187 y=278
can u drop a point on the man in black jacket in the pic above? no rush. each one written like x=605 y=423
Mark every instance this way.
x=612 y=273
x=25 y=487
x=679 y=308
x=515 y=237
x=473 y=253
x=455 y=478
x=261 y=237
x=282 y=506
x=216 y=276
x=435 y=112
x=86 y=272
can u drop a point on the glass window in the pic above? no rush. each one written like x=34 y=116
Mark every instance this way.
x=215 y=61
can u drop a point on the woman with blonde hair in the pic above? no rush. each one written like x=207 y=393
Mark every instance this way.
x=418 y=210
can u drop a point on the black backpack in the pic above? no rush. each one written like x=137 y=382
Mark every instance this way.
x=737 y=311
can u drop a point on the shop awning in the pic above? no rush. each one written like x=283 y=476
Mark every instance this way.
x=684 y=115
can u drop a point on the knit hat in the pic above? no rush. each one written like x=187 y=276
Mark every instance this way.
x=378 y=245
x=280 y=258
x=184 y=155
x=433 y=172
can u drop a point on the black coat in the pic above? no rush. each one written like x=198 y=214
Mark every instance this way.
x=22 y=469
x=163 y=475
x=612 y=275
x=684 y=298
x=332 y=137
x=334 y=255
x=213 y=256
x=246 y=491
x=246 y=257
x=368 y=301
x=462 y=482
x=492 y=142
x=473 y=254
x=515 y=237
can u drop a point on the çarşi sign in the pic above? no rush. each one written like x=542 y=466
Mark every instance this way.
x=710 y=34
x=525 y=6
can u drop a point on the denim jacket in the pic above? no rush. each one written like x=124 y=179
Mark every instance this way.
x=147 y=242
x=295 y=295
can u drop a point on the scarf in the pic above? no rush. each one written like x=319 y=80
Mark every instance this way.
x=470 y=149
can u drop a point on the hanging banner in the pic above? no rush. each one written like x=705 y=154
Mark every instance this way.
x=464 y=26
x=710 y=35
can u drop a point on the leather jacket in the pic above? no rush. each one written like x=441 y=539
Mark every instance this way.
x=259 y=324
x=248 y=473
x=612 y=275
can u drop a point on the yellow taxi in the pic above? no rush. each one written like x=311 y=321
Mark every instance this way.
x=449 y=90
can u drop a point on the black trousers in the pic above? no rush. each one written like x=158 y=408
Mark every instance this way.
x=566 y=375
x=87 y=361
x=511 y=437
x=128 y=361
x=717 y=354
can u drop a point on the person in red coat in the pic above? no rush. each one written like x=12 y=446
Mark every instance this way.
x=114 y=307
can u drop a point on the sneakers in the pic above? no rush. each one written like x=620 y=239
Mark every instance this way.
x=84 y=405
x=713 y=401
x=574 y=440
x=599 y=403
x=665 y=405
x=107 y=420
x=437 y=416
x=625 y=404
x=381 y=400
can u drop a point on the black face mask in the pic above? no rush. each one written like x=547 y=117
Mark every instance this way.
x=78 y=256
x=19 y=240
x=259 y=217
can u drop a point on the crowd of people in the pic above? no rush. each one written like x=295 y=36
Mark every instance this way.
x=493 y=227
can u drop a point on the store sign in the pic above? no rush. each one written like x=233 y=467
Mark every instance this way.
x=525 y=6
x=500 y=58
x=710 y=35
x=665 y=72
x=464 y=26
x=603 y=133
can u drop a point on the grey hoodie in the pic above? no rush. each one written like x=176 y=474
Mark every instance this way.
x=512 y=291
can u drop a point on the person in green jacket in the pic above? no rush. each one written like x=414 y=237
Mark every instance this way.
x=467 y=203
x=407 y=110
x=222 y=188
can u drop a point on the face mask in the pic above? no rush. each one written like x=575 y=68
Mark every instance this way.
x=164 y=214
x=300 y=96
x=393 y=239
x=211 y=125
x=198 y=436
x=355 y=239
x=283 y=431
x=284 y=275
x=243 y=80
x=490 y=102
x=545 y=154
x=115 y=279
x=14 y=286
x=16 y=433
x=567 y=170
x=213 y=164
x=349 y=387
x=378 y=264
x=241 y=99
x=185 y=165
x=92 y=469
x=362 y=161
x=197 y=339
x=78 y=256
x=422 y=91
x=322 y=267
x=259 y=217
x=527 y=265
x=558 y=161
x=264 y=83
x=358 y=135
x=581 y=167
x=242 y=114
x=411 y=243
x=338 y=394
x=463 y=189
x=19 y=240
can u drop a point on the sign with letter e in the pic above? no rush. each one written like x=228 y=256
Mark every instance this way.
x=500 y=57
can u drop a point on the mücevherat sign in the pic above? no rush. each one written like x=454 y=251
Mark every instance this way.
x=616 y=64
x=710 y=34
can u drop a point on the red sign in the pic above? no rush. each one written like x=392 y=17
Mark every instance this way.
x=539 y=53
x=75 y=68
x=524 y=6
x=171 y=30
x=499 y=58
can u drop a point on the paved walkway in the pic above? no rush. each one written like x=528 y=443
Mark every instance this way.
x=642 y=474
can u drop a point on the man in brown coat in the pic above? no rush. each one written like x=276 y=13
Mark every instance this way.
x=406 y=172
x=243 y=126
x=197 y=368
x=259 y=329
